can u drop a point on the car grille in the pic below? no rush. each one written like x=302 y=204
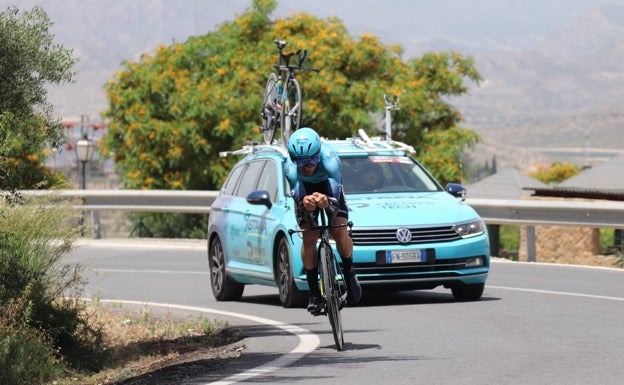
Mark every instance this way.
x=388 y=235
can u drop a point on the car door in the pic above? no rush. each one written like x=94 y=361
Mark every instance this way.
x=249 y=233
x=260 y=221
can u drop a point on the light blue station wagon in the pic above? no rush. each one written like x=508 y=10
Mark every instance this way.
x=408 y=231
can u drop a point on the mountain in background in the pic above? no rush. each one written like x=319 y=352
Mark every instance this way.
x=553 y=79
x=565 y=92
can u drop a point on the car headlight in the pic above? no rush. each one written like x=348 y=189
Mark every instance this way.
x=470 y=229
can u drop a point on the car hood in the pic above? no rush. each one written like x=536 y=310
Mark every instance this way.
x=407 y=209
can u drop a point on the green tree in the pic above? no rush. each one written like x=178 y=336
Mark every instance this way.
x=29 y=60
x=173 y=111
x=44 y=330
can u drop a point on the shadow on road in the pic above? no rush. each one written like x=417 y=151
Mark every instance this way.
x=377 y=298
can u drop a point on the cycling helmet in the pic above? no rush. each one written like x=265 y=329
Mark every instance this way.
x=304 y=145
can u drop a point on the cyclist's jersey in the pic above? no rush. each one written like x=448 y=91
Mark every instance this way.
x=328 y=170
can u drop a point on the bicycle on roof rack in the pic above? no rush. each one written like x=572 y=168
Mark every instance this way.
x=282 y=96
x=331 y=279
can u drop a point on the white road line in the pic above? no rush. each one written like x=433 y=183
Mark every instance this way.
x=308 y=341
x=557 y=293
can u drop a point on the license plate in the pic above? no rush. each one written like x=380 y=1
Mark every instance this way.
x=394 y=256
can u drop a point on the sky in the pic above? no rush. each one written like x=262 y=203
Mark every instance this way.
x=468 y=26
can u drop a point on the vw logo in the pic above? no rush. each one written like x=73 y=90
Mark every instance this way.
x=403 y=235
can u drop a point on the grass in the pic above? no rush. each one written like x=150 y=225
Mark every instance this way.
x=139 y=343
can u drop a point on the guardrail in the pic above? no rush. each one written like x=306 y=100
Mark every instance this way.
x=561 y=212
x=493 y=211
x=162 y=201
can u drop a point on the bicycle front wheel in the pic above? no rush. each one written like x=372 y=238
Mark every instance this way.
x=270 y=113
x=332 y=293
x=291 y=115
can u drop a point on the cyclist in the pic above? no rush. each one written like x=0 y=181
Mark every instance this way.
x=313 y=171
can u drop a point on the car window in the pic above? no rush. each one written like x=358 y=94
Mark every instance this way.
x=370 y=174
x=231 y=182
x=268 y=180
x=249 y=178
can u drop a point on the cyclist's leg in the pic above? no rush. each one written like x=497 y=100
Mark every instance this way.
x=344 y=244
x=310 y=264
x=308 y=246
x=309 y=259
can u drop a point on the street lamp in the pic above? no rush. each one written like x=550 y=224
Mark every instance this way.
x=84 y=153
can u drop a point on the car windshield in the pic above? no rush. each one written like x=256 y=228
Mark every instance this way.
x=392 y=173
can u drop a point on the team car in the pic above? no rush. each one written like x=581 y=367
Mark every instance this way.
x=409 y=232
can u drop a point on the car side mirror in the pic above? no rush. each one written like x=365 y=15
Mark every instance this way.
x=260 y=197
x=456 y=190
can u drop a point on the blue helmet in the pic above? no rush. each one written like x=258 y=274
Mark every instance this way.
x=303 y=144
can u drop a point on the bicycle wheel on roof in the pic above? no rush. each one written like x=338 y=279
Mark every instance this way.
x=292 y=107
x=270 y=113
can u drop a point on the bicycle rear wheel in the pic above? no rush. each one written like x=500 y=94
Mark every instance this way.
x=291 y=114
x=269 y=110
x=332 y=293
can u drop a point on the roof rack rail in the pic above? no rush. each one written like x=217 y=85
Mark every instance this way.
x=364 y=141
x=377 y=143
x=253 y=147
x=402 y=146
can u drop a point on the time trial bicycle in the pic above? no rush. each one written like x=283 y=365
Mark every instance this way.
x=283 y=99
x=331 y=279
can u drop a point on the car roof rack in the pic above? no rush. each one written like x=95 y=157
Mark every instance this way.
x=254 y=147
x=379 y=144
x=362 y=140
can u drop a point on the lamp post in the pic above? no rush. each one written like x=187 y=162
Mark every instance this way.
x=84 y=153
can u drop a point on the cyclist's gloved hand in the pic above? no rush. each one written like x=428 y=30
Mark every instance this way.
x=321 y=200
x=309 y=202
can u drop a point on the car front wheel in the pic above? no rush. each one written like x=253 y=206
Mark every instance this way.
x=224 y=287
x=468 y=292
x=289 y=295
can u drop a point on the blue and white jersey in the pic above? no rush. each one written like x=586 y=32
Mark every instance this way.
x=328 y=169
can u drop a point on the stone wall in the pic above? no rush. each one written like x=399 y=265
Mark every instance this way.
x=565 y=244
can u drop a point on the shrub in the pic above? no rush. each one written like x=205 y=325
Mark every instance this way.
x=26 y=357
x=39 y=294
x=26 y=354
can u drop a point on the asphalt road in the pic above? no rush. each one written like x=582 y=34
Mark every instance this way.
x=536 y=324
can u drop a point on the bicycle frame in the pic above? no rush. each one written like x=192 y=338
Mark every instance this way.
x=284 y=81
x=332 y=280
x=289 y=112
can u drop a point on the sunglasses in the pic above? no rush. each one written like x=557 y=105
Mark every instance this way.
x=309 y=162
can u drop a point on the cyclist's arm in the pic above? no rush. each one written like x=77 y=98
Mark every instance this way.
x=331 y=164
x=296 y=187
